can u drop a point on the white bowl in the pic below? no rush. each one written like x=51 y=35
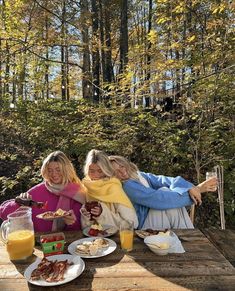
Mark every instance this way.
x=159 y=244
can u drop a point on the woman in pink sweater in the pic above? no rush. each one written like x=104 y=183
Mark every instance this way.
x=61 y=188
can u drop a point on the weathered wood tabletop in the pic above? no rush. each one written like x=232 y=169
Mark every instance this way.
x=201 y=267
x=224 y=240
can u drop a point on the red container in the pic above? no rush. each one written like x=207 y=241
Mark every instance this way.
x=52 y=244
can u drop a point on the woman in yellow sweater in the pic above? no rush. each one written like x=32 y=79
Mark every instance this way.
x=102 y=186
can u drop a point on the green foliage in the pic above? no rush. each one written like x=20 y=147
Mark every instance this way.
x=182 y=147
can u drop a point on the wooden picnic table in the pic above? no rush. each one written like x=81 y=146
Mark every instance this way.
x=201 y=267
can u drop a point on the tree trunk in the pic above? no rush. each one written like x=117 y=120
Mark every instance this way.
x=106 y=52
x=67 y=71
x=21 y=78
x=177 y=90
x=95 y=52
x=47 y=60
x=1 y=83
x=7 y=70
x=108 y=44
x=147 y=99
x=14 y=80
x=103 y=47
x=191 y=53
x=86 y=68
x=63 y=66
x=124 y=36
x=63 y=77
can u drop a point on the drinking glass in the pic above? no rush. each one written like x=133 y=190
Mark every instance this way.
x=211 y=174
x=126 y=232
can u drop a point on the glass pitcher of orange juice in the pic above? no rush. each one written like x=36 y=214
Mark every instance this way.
x=18 y=234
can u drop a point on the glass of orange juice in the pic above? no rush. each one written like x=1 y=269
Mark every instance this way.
x=18 y=234
x=126 y=232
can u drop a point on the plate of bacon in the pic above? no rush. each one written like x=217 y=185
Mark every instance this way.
x=51 y=215
x=54 y=270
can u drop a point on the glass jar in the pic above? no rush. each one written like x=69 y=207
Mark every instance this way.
x=17 y=233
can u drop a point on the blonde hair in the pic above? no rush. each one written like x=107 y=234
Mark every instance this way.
x=67 y=169
x=102 y=160
x=131 y=168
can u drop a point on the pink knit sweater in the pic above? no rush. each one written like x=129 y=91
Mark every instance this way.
x=41 y=193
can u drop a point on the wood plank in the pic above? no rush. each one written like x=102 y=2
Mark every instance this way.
x=13 y=284
x=191 y=234
x=104 y=269
x=158 y=283
x=224 y=240
x=195 y=250
x=135 y=284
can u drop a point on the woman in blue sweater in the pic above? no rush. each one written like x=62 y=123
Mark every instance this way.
x=159 y=201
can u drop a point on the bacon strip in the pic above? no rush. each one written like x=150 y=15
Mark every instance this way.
x=50 y=271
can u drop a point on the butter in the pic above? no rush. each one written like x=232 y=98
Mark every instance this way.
x=163 y=246
x=167 y=233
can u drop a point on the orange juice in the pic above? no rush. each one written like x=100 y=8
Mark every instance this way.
x=20 y=244
x=126 y=238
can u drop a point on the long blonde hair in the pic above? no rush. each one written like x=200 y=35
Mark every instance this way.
x=102 y=160
x=67 y=169
x=131 y=168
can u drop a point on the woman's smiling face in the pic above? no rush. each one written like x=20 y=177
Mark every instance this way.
x=120 y=171
x=95 y=172
x=55 y=173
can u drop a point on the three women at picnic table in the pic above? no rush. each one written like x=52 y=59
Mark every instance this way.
x=123 y=193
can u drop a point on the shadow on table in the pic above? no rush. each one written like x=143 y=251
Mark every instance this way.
x=201 y=265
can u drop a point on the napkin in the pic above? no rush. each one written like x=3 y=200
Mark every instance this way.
x=177 y=245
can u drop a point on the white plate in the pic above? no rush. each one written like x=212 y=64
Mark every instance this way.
x=72 y=272
x=111 y=230
x=101 y=252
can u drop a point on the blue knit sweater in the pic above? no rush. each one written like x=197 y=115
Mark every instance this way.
x=164 y=193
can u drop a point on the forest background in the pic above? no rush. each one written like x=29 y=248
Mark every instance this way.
x=150 y=80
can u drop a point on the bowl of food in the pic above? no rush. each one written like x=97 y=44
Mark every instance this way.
x=159 y=244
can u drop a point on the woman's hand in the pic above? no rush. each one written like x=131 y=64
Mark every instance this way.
x=96 y=211
x=209 y=185
x=85 y=213
x=70 y=219
x=25 y=195
x=91 y=209
x=195 y=195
